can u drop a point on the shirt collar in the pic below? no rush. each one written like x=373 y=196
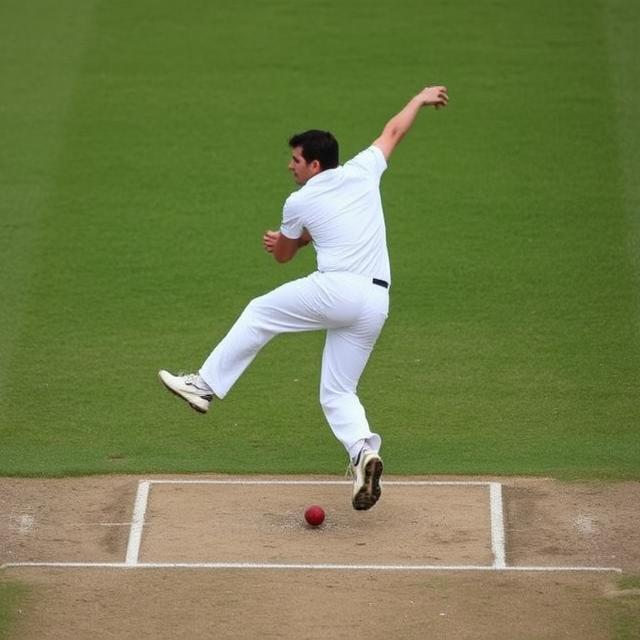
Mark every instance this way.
x=327 y=173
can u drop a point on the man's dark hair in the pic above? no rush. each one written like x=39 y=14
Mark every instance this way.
x=317 y=145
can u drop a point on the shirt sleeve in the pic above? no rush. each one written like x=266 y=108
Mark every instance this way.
x=292 y=224
x=370 y=161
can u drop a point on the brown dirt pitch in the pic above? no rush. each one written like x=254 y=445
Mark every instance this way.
x=225 y=558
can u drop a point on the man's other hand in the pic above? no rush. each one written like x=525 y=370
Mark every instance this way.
x=269 y=240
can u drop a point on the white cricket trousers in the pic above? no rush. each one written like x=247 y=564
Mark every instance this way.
x=353 y=311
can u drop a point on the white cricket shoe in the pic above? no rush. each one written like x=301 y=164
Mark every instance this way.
x=189 y=387
x=366 y=470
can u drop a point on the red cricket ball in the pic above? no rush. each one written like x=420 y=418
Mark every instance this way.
x=314 y=515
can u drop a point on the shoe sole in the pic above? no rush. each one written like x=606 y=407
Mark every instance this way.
x=179 y=395
x=370 y=491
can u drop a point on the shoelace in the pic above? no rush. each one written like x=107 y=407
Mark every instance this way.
x=349 y=474
x=192 y=379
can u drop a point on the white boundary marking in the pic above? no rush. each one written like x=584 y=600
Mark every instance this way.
x=137 y=524
x=497 y=526
x=307 y=567
x=386 y=483
x=142 y=500
x=93 y=524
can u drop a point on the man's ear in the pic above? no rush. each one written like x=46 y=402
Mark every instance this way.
x=315 y=166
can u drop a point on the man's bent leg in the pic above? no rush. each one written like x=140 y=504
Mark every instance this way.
x=283 y=310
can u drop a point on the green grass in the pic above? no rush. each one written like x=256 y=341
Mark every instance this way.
x=11 y=595
x=626 y=609
x=629 y=582
x=144 y=153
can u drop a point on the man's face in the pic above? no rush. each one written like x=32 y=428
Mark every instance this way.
x=301 y=169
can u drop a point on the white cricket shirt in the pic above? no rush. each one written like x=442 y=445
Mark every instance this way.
x=342 y=210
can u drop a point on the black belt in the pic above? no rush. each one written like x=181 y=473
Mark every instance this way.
x=381 y=283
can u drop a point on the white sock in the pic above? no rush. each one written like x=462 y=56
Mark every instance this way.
x=201 y=384
x=356 y=448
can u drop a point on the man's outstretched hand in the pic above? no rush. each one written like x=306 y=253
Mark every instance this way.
x=434 y=96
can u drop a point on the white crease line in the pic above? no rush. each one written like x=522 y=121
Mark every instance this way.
x=524 y=568
x=67 y=565
x=386 y=483
x=497 y=526
x=135 y=533
x=309 y=567
x=58 y=525
x=94 y=524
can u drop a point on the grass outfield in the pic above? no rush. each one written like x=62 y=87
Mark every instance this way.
x=625 y=612
x=144 y=153
x=11 y=595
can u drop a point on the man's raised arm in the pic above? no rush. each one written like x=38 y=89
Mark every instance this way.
x=395 y=129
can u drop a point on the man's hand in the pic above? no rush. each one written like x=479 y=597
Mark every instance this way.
x=269 y=240
x=433 y=96
x=281 y=247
